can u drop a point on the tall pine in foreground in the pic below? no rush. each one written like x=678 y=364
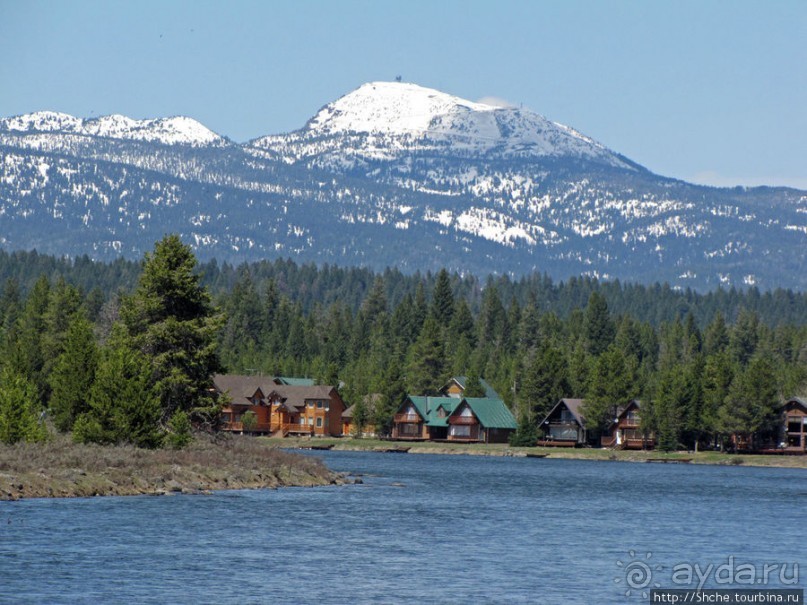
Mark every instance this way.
x=170 y=320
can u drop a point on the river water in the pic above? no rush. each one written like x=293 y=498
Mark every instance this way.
x=420 y=529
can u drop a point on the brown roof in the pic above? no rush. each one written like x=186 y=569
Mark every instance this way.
x=240 y=388
x=575 y=407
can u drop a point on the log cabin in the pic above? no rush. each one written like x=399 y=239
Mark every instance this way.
x=279 y=409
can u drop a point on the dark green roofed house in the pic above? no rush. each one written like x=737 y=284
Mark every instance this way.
x=481 y=419
x=470 y=419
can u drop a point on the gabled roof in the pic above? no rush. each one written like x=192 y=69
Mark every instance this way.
x=799 y=401
x=428 y=408
x=490 y=392
x=574 y=406
x=241 y=388
x=622 y=409
x=491 y=412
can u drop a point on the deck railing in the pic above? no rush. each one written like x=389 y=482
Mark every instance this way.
x=462 y=420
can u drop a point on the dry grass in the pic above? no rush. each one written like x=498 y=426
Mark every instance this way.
x=61 y=468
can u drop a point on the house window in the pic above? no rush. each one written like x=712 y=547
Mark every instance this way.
x=460 y=430
x=225 y=417
x=794 y=424
x=410 y=429
x=319 y=423
x=319 y=405
x=310 y=421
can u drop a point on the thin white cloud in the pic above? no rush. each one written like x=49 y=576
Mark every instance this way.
x=497 y=102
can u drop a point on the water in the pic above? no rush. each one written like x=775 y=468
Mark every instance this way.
x=421 y=529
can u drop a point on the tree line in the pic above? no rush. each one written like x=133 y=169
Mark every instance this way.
x=135 y=364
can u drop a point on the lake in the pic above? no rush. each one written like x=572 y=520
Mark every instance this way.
x=420 y=529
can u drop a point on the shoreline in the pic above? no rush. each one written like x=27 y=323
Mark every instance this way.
x=711 y=458
x=62 y=469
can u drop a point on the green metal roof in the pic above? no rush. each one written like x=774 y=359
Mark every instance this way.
x=492 y=413
x=428 y=407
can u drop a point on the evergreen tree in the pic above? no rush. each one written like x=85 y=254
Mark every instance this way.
x=545 y=381
x=611 y=385
x=599 y=328
x=20 y=419
x=442 y=307
x=73 y=374
x=751 y=403
x=427 y=363
x=393 y=394
x=124 y=407
x=170 y=320
x=473 y=385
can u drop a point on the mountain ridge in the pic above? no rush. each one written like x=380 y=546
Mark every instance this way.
x=474 y=187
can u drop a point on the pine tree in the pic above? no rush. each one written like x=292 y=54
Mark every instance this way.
x=473 y=385
x=73 y=374
x=442 y=308
x=20 y=419
x=599 y=329
x=123 y=406
x=427 y=360
x=611 y=385
x=170 y=320
x=545 y=381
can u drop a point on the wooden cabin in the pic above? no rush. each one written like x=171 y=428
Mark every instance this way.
x=481 y=419
x=625 y=432
x=422 y=418
x=794 y=426
x=564 y=425
x=279 y=410
x=466 y=419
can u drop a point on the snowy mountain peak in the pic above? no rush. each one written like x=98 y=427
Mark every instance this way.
x=408 y=117
x=168 y=131
x=390 y=107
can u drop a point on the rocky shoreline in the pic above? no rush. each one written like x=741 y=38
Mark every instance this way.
x=62 y=469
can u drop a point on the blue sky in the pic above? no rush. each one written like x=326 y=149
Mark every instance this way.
x=708 y=91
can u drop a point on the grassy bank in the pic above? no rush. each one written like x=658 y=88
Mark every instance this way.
x=60 y=468
x=496 y=449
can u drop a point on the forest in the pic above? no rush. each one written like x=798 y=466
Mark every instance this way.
x=124 y=351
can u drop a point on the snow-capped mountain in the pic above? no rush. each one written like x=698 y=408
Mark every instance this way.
x=390 y=174
x=177 y=130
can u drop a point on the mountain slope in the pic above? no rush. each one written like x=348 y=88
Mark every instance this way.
x=390 y=174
